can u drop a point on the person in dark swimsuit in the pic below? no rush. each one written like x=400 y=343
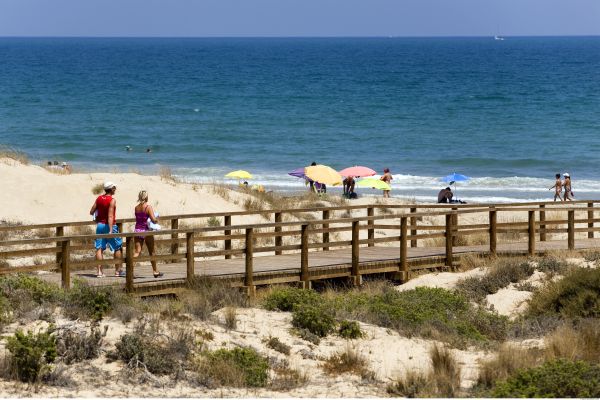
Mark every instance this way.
x=143 y=212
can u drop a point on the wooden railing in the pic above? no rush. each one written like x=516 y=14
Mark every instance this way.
x=308 y=236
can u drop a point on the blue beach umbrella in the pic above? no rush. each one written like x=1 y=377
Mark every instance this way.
x=454 y=177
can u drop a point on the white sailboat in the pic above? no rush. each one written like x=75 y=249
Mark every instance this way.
x=498 y=37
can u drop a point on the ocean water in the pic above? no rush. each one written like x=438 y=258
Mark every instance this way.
x=510 y=114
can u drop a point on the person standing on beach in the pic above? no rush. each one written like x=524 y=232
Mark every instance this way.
x=143 y=211
x=557 y=188
x=105 y=211
x=387 y=178
x=568 y=187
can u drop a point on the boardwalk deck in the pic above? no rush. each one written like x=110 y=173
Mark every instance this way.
x=322 y=265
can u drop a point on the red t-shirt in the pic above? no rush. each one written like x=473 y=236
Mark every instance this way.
x=102 y=206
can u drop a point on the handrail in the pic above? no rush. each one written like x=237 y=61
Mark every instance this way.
x=64 y=247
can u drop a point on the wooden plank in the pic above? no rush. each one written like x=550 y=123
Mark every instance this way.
x=129 y=264
x=249 y=258
x=174 y=226
x=278 y=239
x=531 y=241
x=325 y=233
x=304 y=257
x=190 y=273
x=404 y=249
x=590 y=217
x=355 y=254
x=449 y=239
x=413 y=223
x=542 y=213
x=571 y=230
x=493 y=237
x=227 y=246
x=371 y=230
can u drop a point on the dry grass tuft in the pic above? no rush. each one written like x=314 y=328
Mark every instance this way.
x=12 y=154
x=580 y=342
x=471 y=261
x=287 y=378
x=445 y=372
x=348 y=361
x=413 y=384
x=508 y=360
x=230 y=314
x=166 y=174
x=98 y=189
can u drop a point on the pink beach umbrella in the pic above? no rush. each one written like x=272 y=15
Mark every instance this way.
x=357 y=171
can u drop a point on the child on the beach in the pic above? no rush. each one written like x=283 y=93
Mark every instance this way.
x=557 y=188
x=387 y=178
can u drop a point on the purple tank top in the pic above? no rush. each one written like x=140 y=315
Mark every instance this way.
x=141 y=221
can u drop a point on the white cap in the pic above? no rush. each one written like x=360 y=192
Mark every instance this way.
x=64 y=164
x=566 y=175
x=109 y=185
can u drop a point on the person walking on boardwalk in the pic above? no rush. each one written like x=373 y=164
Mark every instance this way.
x=568 y=196
x=144 y=212
x=557 y=188
x=105 y=210
x=387 y=178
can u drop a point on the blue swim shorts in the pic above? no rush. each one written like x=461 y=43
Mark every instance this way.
x=115 y=244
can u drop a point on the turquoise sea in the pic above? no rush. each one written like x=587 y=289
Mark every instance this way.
x=508 y=113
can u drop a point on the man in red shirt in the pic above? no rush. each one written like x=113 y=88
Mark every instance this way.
x=104 y=210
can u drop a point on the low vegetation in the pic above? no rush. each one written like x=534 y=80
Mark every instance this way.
x=427 y=312
x=558 y=379
x=576 y=295
x=30 y=354
x=348 y=361
x=239 y=367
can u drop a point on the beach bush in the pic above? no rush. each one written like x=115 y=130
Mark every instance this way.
x=277 y=345
x=500 y=275
x=38 y=290
x=308 y=336
x=286 y=378
x=317 y=319
x=288 y=298
x=576 y=295
x=203 y=297
x=30 y=354
x=98 y=189
x=428 y=312
x=507 y=361
x=74 y=346
x=349 y=330
x=552 y=265
x=137 y=350
x=578 y=340
x=88 y=302
x=557 y=378
x=239 y=367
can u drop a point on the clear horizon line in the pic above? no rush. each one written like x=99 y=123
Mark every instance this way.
x=287 y=37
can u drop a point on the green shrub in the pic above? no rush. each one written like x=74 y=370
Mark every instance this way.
x=287 y=299
x=349 y=330
x=557 y=378
x=88 y=302
x=277 y=345
x=552 y=265
x=309 y=336
x=576 y=295
x=213 y=221
x=238 y=367
x=319 y=320
x=428 y=312
x=499 y=276
x=39 y=290
x=30 y=353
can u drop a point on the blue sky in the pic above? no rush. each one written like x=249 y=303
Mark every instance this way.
x=298 y=17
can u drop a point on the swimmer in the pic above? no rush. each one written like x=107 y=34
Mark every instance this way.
x=128 y=148
x=557 y=188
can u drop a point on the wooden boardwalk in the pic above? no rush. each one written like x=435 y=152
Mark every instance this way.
x=322 y=265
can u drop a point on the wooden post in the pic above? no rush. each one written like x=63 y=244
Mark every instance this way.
x=493 y=237
x=371 y=231
x=571 y=230
x=304 y=277
x=174 y=246
x=60 y=231
x=449 y=236
x=403 y=248
x=278 y=239
x=413 y=231
x=189 y=250
x=531 y=231
x=65 y=264
x=356 y=278
x=542 y=224
x=455 y=225
x=129 y=248
x=227 y=222
x=590 y=220
x=249 y=252
x=325 y=227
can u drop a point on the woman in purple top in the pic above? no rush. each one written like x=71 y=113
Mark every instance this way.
x=143 y=212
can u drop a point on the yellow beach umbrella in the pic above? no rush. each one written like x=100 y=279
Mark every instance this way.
x=373 y=183
x=323 y=174
x=239 y=174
